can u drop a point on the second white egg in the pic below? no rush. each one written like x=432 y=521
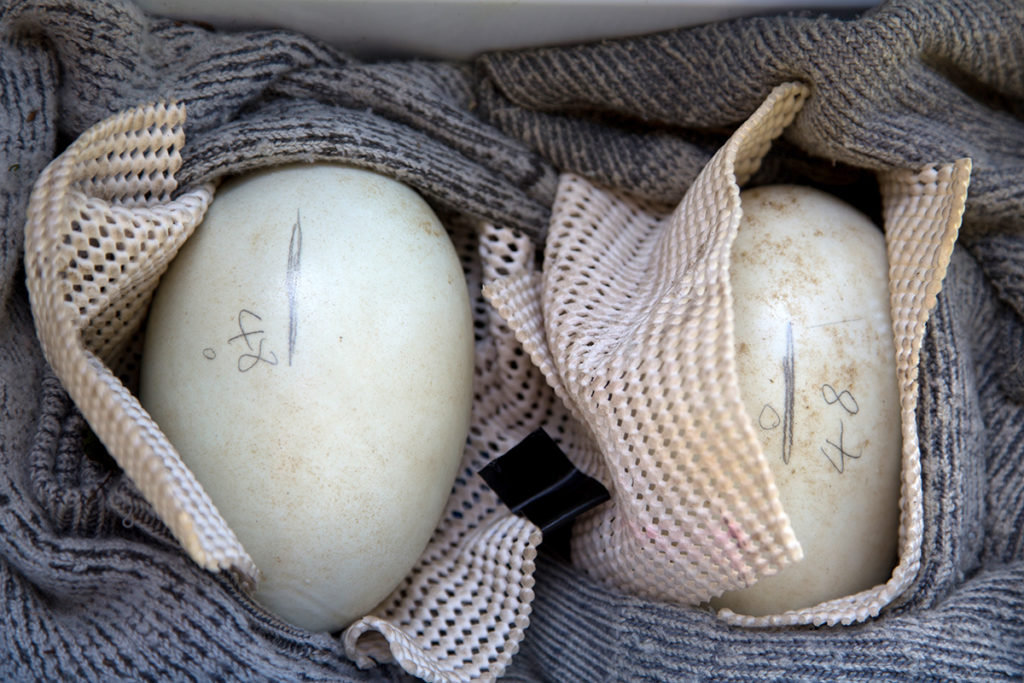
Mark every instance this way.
x=817 y=371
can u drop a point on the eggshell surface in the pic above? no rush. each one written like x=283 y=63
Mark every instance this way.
x=816 y=364
x=310 y=355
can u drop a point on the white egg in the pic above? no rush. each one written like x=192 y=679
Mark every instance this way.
x=310 y=354
x=817 y=372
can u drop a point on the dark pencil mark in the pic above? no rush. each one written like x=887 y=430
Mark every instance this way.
x=292 y=284
x=769 y=418
x=209 y=354
x=844 y=398
x=788 y=374
x=244 y=334
x=247 y=361
x=841 y=451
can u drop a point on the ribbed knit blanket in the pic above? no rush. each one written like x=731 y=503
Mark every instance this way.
x=93 y=587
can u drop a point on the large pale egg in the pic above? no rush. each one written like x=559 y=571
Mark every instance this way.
x=310 y=355
x=817 y=373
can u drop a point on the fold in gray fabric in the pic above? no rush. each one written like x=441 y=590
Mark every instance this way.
x=92 y=587
x=908 y=84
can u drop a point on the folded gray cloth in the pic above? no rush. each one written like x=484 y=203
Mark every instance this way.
x=93 y=588
x=908 y=84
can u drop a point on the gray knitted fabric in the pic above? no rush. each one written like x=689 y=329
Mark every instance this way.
x=93 y=588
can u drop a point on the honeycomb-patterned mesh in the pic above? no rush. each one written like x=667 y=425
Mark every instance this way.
x=631 y=324
x=635 y=310
x=620 y=349
x=101 y=228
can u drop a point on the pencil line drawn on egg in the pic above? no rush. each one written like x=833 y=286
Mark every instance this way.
x=844 y=398
x=769 y=418
x=292 y=283
x=841 y=451
x=789 y=382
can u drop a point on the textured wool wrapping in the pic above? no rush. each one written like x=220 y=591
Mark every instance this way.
x=93 y=584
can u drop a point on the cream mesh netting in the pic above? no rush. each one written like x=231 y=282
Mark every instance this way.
x=620 y=349
x=631 y=323
x=101 y=228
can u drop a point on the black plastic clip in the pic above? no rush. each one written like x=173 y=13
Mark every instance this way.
x=536 y=480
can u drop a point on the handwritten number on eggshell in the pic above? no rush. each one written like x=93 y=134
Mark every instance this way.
x=840 y=451
x=247 y=361
x=844 y=398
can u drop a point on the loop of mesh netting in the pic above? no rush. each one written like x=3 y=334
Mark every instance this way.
x=102 y=226
x=630 y=323
x=636 y=317
x=130 y=160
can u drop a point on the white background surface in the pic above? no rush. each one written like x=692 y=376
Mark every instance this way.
x=462 y=28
